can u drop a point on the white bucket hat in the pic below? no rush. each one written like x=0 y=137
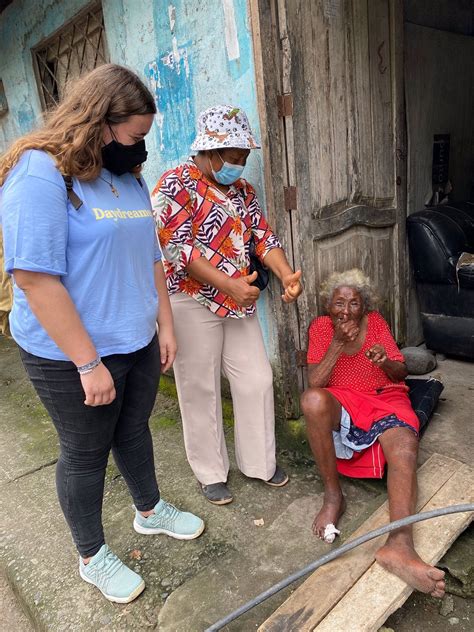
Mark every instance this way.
x=224 y=126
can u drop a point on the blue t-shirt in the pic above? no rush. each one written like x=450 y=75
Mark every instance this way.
x=104 y=253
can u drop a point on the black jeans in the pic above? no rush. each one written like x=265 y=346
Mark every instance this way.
x=424 y=395
x=86 y=435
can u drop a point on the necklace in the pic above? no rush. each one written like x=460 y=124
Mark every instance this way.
x=111 y=185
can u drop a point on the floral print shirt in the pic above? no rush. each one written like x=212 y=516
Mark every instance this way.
x=195 y=219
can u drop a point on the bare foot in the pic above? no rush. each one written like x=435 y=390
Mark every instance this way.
x=333 y=507
x=402 y=560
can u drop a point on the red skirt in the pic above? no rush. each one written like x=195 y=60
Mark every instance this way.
x=364 y=410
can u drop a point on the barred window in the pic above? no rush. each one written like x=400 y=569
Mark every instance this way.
x=3 y=100
x=78 y=47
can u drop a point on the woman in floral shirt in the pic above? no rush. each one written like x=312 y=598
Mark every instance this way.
x=206 y=215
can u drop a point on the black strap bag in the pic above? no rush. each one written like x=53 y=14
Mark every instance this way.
x=257 y=266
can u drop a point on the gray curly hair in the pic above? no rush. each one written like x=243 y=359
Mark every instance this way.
x=355 y=279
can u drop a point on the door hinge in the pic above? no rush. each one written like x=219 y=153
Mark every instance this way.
x=301 y=357
x=285 y=104
x=291 y=196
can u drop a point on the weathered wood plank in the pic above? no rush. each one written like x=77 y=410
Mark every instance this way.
x=353 y=216
x=368 y=248
x=401 y=266
x=364 y=147
x=317 y=77
x=311 y=602
x=338 y=89
x=381 y=98
x=378 y=593
x=266 y=24
x=304 y=32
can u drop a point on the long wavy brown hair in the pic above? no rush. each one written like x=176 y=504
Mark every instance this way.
x=73 y=132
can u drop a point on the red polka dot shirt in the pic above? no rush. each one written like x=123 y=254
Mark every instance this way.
x=355 y=371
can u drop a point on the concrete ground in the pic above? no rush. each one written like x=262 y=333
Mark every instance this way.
x=191 y=584
x=11 y=615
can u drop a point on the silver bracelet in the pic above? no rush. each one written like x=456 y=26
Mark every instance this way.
x=89 y=367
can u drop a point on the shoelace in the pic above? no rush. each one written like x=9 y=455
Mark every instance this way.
x=103 y=571
x=166 y=518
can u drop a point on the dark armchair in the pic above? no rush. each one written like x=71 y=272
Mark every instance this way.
x=437 y=236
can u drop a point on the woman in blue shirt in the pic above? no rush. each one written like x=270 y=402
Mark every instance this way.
x=89 y=291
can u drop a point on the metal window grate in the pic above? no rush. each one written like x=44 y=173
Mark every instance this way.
x=3 y=100
x=77 y=48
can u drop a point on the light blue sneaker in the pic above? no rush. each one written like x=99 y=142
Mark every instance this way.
x=115 y=581
x=169 y=520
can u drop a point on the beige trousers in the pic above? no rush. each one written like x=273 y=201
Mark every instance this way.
x=6 y=294
x=209 y=345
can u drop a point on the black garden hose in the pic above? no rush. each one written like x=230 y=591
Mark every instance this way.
x=332 y=555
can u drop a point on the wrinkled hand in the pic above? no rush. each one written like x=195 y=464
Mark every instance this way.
x=168 y=347
x=292 y=286
x=377 y=354
x=346 y=330
x=242 y=291
x=98 y=386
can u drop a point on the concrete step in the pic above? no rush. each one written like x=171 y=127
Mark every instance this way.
x=189 y=584
x=12 y=616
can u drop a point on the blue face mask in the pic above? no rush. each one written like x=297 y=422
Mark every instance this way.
x=228 y=173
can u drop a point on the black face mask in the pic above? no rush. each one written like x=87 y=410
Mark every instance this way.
x=119 y=158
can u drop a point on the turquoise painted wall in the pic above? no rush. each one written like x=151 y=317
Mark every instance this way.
x=192 y=54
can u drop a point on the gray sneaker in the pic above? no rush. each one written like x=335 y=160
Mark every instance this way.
x=279 y=479
x=217 y=493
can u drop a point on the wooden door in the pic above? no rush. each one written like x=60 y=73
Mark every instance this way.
x=329 y=77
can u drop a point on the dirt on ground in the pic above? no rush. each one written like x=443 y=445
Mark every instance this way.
x=421 y=613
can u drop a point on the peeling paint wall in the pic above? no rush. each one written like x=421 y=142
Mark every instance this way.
x=192 y=55
x=22 y=26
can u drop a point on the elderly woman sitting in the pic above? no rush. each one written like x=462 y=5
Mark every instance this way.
x=359 y=416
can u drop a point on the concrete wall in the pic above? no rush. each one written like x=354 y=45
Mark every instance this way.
x=192 y=54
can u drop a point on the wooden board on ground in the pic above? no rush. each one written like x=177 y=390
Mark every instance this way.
x=378 y=593
x=315 y=601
